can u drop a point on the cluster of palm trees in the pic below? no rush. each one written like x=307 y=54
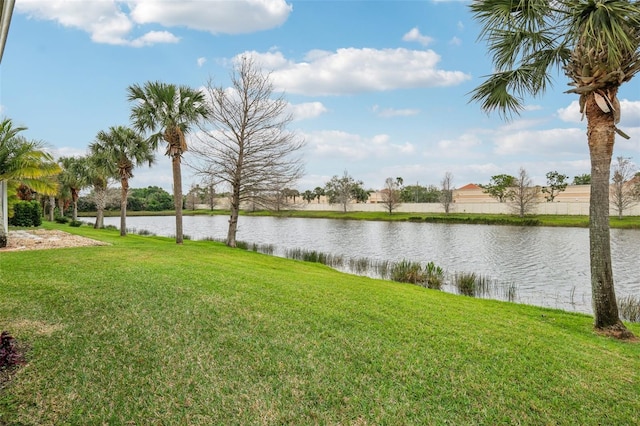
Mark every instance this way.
x=166 y=112
x=23 y=164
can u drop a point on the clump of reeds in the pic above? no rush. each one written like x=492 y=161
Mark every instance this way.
x=315 y=256
x=510 y=292
x=465 y=283
x=383 y=268
x=406 y=271
x=434 y=276
x=629 y=307
x=360 y=265
x=475 y=285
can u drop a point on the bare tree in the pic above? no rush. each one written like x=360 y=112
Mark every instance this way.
x=446 y=191
x=623 y=190
x=523 y=193
x=391 y=194
x=244 y=141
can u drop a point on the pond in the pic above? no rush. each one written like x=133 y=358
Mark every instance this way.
x=545 y=266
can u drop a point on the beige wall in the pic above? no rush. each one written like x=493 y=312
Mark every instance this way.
x=573 y=201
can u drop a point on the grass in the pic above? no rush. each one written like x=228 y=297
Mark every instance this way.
x=148 y=332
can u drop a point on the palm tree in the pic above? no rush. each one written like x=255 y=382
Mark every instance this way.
x=98 y=175
x=22 y=162
x=74 y=177
x=596 y=43
x=121 y=149
x=168 y=112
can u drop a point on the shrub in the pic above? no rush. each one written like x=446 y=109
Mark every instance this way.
x=26 y=214
x=9 y=354
x=408 y=272
x=61 y=219
x=75 y=223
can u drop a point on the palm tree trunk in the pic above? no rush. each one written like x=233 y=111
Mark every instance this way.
x=52 y=207
x=101 y=201
x=74 y=198
x=177 y=195
x=4 y=214
x=601 y=136
x=123 y=206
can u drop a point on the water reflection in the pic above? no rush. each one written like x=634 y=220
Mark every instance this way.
x=549 y=266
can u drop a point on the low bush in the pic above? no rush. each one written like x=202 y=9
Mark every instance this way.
x=61 y=219
x=10 y=356
x=26 y=214
x=75 y=223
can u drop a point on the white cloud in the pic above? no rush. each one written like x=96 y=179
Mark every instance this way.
x=307 y=110
x=570 y=114
x=351 y=70
x=154 y=37
x=558 y=141
x=342 y=146
x=455 y=41
x=214 y=16
x=461 y=146
x=629 y=113
x=391 y=112
x=414 y=35
x=113 y=21
x=201 y=61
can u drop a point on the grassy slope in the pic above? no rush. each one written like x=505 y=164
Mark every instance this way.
x=148 y=332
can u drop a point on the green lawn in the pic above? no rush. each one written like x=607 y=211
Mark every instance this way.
x=145 y=332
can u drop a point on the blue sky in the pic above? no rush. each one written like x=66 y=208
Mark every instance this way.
x=377 y=88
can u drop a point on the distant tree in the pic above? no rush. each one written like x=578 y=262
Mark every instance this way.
x=319 y=192
x=523 y=193
x=247 y=145
x=151 y=198
x=624 y=191
x=342 y=190
x=500 y=187
x=391 y=194
x=556 y=183
x=194 y=196
x=209 y=193
x=308 y=196
x=361 y=195
x=75 y=177
x=446 y=191
x=584 y=179
x=291 y=193
x=420 y=194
